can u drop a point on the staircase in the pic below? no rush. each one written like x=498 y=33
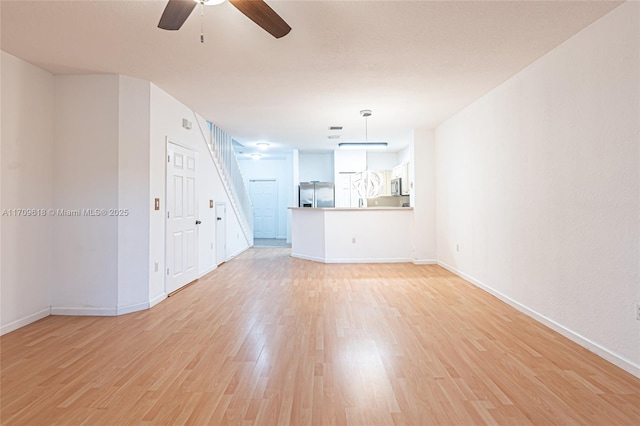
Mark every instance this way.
x=221 y=148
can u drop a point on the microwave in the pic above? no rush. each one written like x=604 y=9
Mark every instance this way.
x=396 y=187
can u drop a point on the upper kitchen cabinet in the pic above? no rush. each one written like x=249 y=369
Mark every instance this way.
x=402 y=171
x=386 y=183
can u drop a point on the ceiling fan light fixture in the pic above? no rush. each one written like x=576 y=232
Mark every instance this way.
x=176 y=13
x=210 y=2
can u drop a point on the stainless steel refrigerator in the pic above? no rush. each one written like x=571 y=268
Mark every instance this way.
x=316 y=194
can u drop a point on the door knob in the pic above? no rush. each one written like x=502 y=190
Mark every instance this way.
x=218 y=218
x=198 y=222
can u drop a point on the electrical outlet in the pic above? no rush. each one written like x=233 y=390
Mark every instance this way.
x=353 y=240
x=638 y=311
x=458 y=247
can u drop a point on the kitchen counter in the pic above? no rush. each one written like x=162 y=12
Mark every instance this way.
x=352 y=235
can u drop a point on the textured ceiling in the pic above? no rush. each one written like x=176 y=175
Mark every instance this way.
x=413 y=63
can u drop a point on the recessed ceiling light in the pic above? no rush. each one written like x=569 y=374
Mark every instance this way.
x=262 y=145
x=256 y=156
x=333 y=137
x=335 y=128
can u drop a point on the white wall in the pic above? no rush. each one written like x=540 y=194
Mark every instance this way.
x=83 y=137
x=349 y=161
x=381 y=160
x=166 y=122
x=133 y=194
x=405 y=155
x=91 y=142
x=315 y=167
x=538 y=184
x=279 y=169
x=1 y=204
x=295 y=196
x=26 y=176
x=85 y=158
x=423 y=196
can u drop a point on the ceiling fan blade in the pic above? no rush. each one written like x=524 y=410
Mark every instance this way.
x=260 y=13
x=176 y=12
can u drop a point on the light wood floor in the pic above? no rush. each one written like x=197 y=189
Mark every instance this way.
x=268 y=339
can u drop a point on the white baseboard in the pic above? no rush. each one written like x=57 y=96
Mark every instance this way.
x=305 y=257
x=425 y=261
x=242 y=250
x=123 y=310
x=351 y=260
x=159 y=298
x=99 y=312
x=108 y=312
x=208 y=270
x=14 y=325
x=91 y=312
x=618 y=360
x=369 y=260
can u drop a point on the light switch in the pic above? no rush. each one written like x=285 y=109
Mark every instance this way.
x=157 y=204
x=210 y=204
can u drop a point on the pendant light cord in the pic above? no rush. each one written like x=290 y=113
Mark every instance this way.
x=366 y=141
x=366 y=129
x=201 y=21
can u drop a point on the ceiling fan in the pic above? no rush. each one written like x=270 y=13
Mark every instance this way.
x=177 y=11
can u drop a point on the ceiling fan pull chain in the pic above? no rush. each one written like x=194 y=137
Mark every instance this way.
x=201 y=21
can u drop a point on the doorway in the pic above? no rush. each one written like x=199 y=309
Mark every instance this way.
x=264 y=196
x=181 y=217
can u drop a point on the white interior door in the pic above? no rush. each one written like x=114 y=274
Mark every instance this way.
x=264 y=196
x=182 y=234
x=221 y=233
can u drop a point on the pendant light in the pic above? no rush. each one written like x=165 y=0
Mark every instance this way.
x=369 y=183
x=366 y=113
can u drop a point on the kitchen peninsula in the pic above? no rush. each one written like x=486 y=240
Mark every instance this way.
x=352 y=235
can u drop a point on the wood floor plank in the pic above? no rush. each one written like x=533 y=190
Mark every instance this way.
x=273 y=340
